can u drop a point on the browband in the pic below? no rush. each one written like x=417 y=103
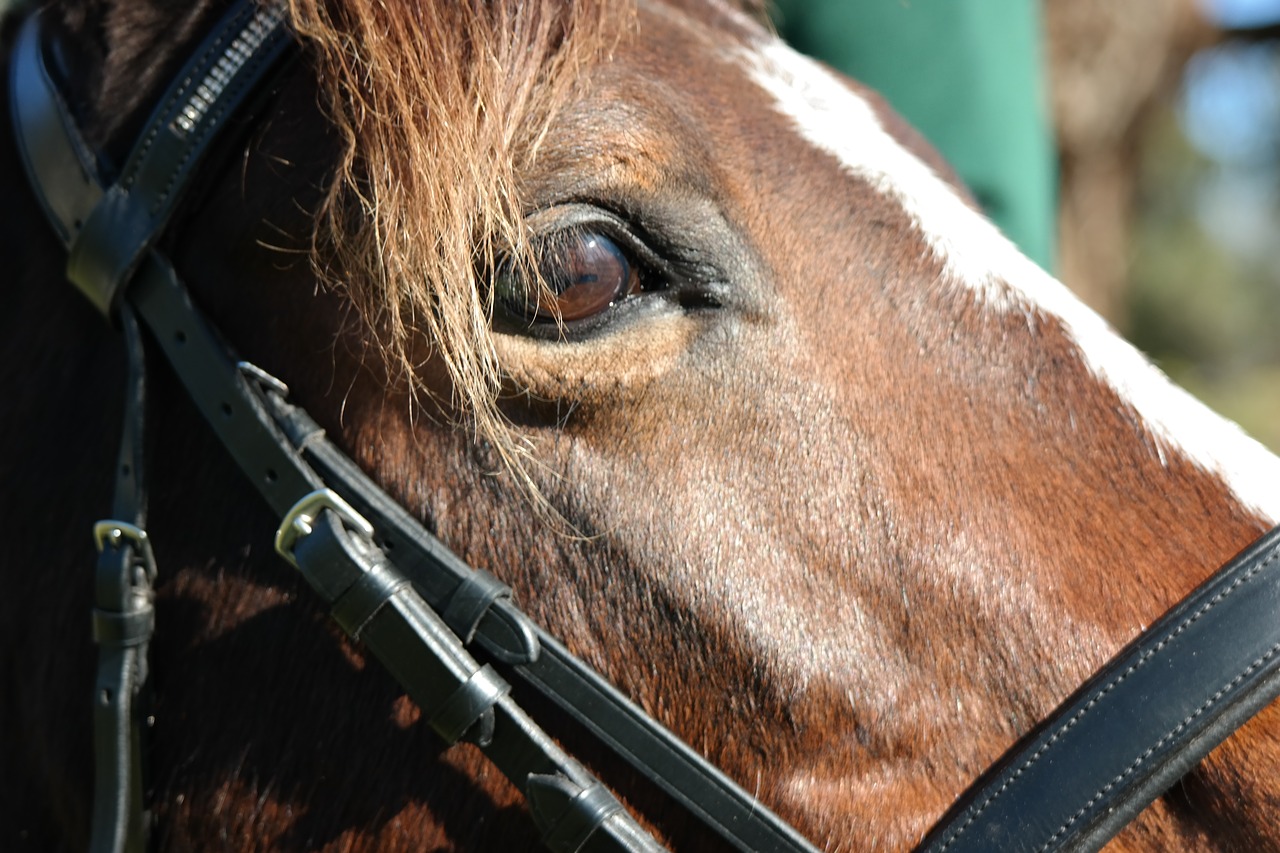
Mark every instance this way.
x=107 y=232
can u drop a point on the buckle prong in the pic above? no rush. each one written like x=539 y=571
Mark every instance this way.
x=301 y=516
x=113 y=533
x=110 y=532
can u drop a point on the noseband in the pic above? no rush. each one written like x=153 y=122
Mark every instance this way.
x=451 y=635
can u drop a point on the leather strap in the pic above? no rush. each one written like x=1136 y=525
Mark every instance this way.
x=529 y=655
x=229 y=402
x=1143 y=721
x=1052 y=793
x=123 y=621
x=108 y=233
x=1059 y=791
x=368 y=597
x=48 y=139
x=133 y=213
x=460 y=698
x=386 y=614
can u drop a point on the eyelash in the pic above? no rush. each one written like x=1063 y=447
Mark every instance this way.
x=665 y=270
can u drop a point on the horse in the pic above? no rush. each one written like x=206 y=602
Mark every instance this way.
x=693 y=343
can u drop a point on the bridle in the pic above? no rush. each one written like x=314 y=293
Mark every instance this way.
x=451 y=635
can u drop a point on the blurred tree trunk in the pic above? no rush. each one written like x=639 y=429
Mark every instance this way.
x=1109 y=61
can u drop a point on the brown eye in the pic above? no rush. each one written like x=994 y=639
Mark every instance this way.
x=584 y=274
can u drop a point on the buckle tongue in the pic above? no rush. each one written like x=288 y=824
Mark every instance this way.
x=302 y=515
x=112 y=533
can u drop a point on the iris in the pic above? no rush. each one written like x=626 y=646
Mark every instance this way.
x=582 y=273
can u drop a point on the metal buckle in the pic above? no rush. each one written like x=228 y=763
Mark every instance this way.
x=249 y=370
x=300 y=517
x=114 y=533
x=109 y=531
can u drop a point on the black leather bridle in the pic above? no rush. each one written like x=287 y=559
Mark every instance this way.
x=452 y=635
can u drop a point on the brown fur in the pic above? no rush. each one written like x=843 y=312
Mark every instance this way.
x=839 y=530
x=440 y=106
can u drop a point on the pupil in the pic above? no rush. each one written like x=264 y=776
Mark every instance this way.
x=586 y=275
x=583 y=274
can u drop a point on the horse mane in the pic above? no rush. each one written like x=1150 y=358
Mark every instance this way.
x=439 y=107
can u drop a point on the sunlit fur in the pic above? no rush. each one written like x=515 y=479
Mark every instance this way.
x=852 y=520
x=440 y=107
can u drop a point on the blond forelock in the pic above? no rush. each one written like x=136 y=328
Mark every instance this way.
x=440 y=106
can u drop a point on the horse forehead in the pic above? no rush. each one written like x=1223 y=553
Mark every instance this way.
x=833 y=117
x=740 y=97
x=686 y=96
x=722 y=97
x=975 y=257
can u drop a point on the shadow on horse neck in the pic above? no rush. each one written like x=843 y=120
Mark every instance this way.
x=832 y=481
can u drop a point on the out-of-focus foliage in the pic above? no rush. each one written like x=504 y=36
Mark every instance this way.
x=1109 y=62
x=1204 y=284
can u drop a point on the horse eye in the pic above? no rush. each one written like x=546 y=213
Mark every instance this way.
x=584 y=274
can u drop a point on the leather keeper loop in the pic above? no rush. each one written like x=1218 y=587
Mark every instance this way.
x=364 y=598
x=470 y=705
x=568 y=815
x=123 y=629
x=471 y=601
x=106 y=250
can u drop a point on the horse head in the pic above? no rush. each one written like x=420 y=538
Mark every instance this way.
x=689 y=340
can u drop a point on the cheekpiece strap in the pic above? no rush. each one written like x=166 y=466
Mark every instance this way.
x=1142 y=722
x=408 y=614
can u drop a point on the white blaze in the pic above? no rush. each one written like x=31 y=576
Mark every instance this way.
x=831 y=116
